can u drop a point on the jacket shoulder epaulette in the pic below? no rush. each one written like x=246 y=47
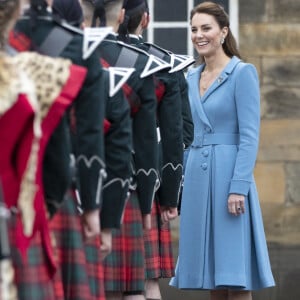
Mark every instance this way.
x=152 y=64
x=117 y=77
x=158 y=51
x=178 y=62
x=92 y=38
x=57 y=21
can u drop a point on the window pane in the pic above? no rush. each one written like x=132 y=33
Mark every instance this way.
x=170 y=10
x=173 y=39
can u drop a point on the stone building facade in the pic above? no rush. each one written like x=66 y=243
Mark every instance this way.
x=270 y=38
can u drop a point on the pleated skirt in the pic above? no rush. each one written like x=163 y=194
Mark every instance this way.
x=32 y=278
x=79 y=261
x=218 y=250
x=124 y=267
x=158 y=247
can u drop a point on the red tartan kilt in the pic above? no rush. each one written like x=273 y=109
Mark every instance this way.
x=78 y=276
x=124 y=267
x=95 y=269
x=158 y=247
x=31 y=272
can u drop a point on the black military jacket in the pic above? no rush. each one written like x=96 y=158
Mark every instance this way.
x=178 y=64
x=169 y=118
x=89 y=111
x=187 y=120
x=140 y=93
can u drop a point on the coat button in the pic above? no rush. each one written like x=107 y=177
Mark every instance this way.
x=205 y=153
x=204 y=166
x=207 y=129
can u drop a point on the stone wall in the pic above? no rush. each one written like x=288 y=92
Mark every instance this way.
x=270 y=39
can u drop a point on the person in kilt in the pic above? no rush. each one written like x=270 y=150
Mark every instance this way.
x=124 y=267
x=35 y=31
x=38 y=105
x=173 y=112
x=83 y=276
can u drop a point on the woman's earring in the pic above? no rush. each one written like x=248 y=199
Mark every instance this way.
x=222 y=40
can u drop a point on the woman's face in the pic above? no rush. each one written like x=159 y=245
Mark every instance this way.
x=207 y=34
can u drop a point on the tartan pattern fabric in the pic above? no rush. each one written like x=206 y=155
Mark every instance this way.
x=106 y=125
x=160 y=89
x=124 y=267
x=58 y=284
x=31 y=272
x=132 y=97
x=71 y=252
x=19 y=41
x=95 y=269
x=158 y=247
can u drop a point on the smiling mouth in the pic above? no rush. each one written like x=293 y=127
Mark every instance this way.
x=201 y=44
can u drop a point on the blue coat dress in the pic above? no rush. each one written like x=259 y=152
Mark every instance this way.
x=216 y=249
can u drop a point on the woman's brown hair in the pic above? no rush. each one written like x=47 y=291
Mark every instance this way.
x=221 y=17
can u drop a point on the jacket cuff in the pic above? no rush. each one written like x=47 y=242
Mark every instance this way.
x=239 y=187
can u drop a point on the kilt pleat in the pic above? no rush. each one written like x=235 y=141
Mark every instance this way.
x=158 y=247
x=124 y=267
x=95 y=269
x=32 y=278
x=74 y=254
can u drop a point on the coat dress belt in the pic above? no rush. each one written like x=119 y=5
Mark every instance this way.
x=216 y=139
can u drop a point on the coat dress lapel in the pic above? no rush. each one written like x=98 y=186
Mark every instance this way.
x=194 y=92
x=221 y=78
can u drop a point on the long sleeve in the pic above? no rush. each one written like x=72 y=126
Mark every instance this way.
x=145 y=146
x=248 y=113
x=118 y=146
x=170 y=124
x=187 y=121
x=89 y=137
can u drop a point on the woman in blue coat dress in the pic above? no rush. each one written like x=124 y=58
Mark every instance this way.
x=222 y=245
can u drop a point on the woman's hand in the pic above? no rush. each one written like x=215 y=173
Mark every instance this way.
x=236 y=204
